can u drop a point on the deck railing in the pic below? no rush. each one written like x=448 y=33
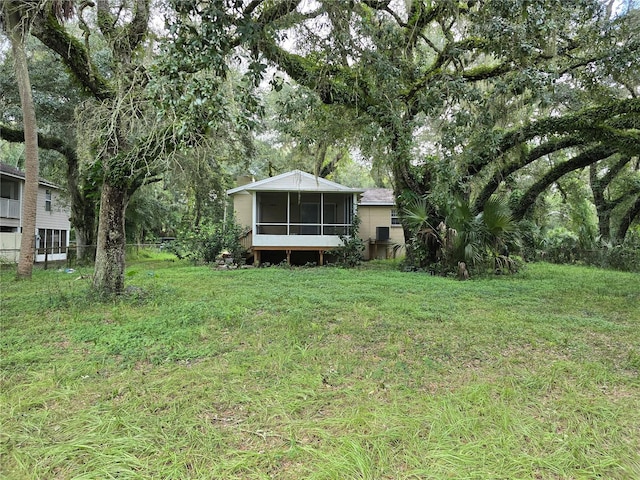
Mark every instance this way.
x=246 y=240
x=9 y=208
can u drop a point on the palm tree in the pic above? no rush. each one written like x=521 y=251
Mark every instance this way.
x=15 y=17
x=465 y=235
x=483 y=237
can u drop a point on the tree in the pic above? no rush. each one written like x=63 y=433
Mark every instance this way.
x=300 y=132
x=55 y=98
x=143 y=107
x=604 y=178
x=453 y=67
x=118 y=140
x=16 y=16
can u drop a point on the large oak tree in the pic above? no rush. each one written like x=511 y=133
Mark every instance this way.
x=498 y=84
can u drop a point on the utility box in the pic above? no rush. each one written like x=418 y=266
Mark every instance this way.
x=382 y=234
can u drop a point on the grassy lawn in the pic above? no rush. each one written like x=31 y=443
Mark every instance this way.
x=321 y=373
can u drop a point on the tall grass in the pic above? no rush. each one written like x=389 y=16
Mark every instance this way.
x=321 y=373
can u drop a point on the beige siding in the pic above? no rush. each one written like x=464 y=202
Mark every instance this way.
x=373 y=216
x=242 y=206
x=58 y=217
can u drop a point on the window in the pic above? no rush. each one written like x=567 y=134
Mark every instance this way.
x=41 y=240
x=55 y=245
x=51 y=241
x=395 y=219
x=47 y=200
x=303 y=213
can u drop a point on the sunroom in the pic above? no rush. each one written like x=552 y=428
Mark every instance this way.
x=294 y=212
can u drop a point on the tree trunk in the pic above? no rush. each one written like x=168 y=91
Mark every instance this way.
x=108 y=278
x=627 y=219
x=83 y=219
x=17 y=31
x=83 y=210
x=408 y=178
x=85 y=244
x=604 y=222
x=602 y=209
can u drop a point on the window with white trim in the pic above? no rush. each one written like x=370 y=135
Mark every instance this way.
x=47 y=200
x=51 y=241
x=395 y=219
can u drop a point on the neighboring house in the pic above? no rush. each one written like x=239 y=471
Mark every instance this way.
x=52 y=218
x=380 y=226
x=299 y=217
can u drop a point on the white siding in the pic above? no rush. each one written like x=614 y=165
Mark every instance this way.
x=308 y=241
x=55 y=221
x=58 y=217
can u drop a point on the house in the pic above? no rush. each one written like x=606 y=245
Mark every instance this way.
x=299 y=217
x=52 y=218
x=380 y=226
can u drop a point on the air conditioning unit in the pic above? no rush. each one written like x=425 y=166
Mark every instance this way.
x=382 y=234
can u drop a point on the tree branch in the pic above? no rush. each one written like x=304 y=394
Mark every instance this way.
x=551 y=146
x=582 y=160
x=588 y=121
x=50 y=32
x=628 y=218
x=47 y=142
x=277 y=11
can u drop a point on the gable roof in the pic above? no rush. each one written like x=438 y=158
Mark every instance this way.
x=14 y=172
x=378 y=196
x=295 y=181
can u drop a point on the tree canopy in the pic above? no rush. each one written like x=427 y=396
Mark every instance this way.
x=459 y=101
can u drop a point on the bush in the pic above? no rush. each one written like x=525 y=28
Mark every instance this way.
x=560 y=246
x=206 y=242
x=481 y=240
x=625 y=257
x=563 y=246
x=620 y=257
x=350 y=253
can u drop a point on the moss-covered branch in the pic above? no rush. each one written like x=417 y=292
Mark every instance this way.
x=333 y=84
x=581 y=160
x=73 y=53
x=591 y=121
x=632 y=214
x=47 y=142
x=553 y=145
x=277 y=10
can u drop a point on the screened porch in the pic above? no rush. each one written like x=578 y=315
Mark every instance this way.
x=303 y=213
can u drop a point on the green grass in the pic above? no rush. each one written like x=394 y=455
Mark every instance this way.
x=321 y=373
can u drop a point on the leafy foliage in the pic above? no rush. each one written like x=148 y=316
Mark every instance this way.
x=207 y=241
x=350 y=253
x=480 y=239
x=561 y=245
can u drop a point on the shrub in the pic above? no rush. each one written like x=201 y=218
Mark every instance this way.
x=479 y=239
x=206 y=242
x=560 y=245
x=350 y=253
x=620 y=257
